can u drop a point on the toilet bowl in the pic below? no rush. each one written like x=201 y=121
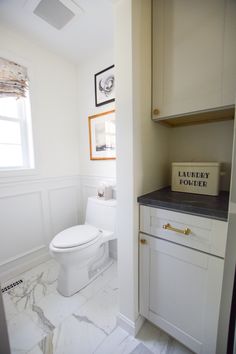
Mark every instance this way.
x=82 y=251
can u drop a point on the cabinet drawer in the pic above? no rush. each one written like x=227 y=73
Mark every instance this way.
x=203 y=234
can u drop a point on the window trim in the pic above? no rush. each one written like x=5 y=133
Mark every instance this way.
x=23 y=173
x=25 y=126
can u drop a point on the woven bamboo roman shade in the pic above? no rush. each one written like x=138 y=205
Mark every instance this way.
x=13 y=79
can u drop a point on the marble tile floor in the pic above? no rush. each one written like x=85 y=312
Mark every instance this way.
x=40 y=320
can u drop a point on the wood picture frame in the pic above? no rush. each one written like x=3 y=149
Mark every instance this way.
x=102 y=143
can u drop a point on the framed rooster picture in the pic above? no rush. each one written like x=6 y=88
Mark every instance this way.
x=104 y=86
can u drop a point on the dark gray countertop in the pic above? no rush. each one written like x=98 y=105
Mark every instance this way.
x=201 y=205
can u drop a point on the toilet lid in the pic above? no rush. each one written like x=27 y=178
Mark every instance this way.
x=75 y=236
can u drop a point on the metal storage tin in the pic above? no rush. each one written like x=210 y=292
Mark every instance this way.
x=196 y=177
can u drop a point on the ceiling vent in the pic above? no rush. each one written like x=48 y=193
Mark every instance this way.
x=57 y=13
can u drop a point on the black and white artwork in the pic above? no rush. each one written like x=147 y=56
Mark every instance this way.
x=104 y=86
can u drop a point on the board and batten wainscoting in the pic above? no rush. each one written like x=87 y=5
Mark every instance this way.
x=32 y=211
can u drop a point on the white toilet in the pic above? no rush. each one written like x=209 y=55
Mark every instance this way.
x=82 y=250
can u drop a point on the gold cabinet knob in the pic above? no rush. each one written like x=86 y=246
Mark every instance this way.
x=156 y=112
x=143 y=241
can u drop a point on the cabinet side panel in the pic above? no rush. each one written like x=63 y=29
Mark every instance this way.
x=158 y=55
x=145 y=219
x=213 y=292
x=144 y=270
x=229 y=59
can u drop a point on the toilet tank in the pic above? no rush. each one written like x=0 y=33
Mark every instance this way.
x=101 y=213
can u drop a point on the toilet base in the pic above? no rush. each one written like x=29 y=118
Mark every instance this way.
x=71 y=280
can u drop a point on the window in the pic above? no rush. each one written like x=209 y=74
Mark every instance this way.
x=16 y=148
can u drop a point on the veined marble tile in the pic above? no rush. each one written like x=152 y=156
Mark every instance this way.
x=23 y=333
x=10 y=308
x=100 y=282
x=101 y=310
x=35 y=350
x=158 y=341
x=113 y=283
x=151 y=340
x=141 y=349
x=26 y=322
x=40 y=320
x=154 y=339
x=118 y=342
x=37 y=283
x=73 y=336
x=50 y=268
x=177 y=348
x=52 y=309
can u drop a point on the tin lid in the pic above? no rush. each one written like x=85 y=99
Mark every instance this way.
x=204 y=164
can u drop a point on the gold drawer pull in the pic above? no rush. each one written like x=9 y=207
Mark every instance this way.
x=143 y=241
x=168 y=226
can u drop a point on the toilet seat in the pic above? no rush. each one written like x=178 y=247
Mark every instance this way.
x=75 y=236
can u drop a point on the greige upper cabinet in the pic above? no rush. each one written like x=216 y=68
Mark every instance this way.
x=194 y=56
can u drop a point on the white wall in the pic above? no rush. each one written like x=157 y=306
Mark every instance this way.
x=92 y=172
x=53 y=104
x=35 y=207
x=206 y=142
x=127 y=265
x=142 y=154
x=86 y=108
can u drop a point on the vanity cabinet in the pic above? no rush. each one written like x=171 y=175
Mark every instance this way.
x=194 y=55
x=181 y=272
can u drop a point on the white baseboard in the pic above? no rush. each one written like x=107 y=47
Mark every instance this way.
x=113 y=249
x=22 y=263
x=113 y=255
x=132 y=327
x=232 y=208
x=139 y=324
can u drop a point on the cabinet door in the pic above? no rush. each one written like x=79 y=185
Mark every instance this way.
x=187 y=55
x=180 y=292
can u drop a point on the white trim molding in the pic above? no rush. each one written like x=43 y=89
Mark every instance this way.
x=52 y=205
x=232 y=208
x=132 y=327
x=23 y=262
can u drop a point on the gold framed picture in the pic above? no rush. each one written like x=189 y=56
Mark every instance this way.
x=102 y=136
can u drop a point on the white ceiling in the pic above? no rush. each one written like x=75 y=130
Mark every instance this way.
x=88 y=32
